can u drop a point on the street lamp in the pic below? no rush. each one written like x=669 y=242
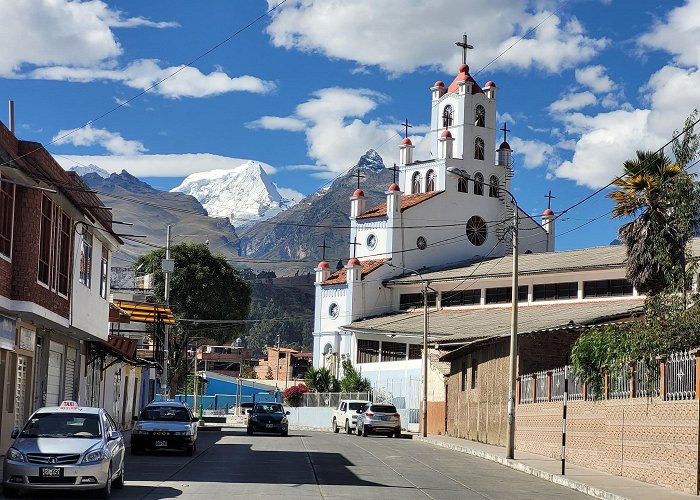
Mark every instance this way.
x=510 y=430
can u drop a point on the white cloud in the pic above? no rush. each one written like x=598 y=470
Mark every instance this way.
x=111 y=141
x=145 y=73
x=576 y=100
x=678 y=34
x=170 y=165
x=336 y=135
x=535 y=153
x=594 y=77
x=386 y=34
x=60 y=32
x=290 y=194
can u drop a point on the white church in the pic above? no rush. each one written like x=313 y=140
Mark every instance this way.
x=444 y=212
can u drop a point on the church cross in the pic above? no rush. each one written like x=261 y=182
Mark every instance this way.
x=505 y=131
x=354 y=246
x=406 y=126
x=549 y=198
x=395 y=169
x=465 y=46
x=359 y=176
x=324 y=246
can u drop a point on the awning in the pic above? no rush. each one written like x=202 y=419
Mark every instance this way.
x=144 y=312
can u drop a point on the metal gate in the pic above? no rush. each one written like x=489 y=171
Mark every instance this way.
x=53 y=379
x=21 y=391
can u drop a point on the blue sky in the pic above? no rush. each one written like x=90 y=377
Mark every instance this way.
x=311 y=86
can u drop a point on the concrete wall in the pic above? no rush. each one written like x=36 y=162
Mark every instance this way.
x=310 y=417
x=646 y=439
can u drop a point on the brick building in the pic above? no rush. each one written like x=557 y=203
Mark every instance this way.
x=56 y=242
x=284 y=364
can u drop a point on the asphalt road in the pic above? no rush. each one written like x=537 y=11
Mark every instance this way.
x=320 y=465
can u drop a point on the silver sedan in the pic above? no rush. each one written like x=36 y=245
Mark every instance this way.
x=66 y=447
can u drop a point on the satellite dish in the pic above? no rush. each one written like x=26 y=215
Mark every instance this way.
x=327 y=349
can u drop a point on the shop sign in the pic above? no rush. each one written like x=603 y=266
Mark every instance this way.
x=27 y=339
x=7 y=333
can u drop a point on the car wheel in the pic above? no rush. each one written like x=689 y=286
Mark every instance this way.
x=119 y=482
x=365 y=432
x=397 y=434
x=358 y=430
x=10 y=492
x=249 y=431
x=347 y=427
x=106 y=490
x=335 y=427
x=189 y=451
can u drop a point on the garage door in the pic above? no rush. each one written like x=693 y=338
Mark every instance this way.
x=53 y=382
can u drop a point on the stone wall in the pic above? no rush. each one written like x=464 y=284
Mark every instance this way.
x=646 y=439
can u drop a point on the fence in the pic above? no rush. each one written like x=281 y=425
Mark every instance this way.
x=672 y=377
x=331 y=399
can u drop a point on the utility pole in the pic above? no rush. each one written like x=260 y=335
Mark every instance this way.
x=277 y=374
x=167 y=267
x=425 y=359
x=513 y=373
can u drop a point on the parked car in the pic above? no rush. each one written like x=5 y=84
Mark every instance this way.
x=268 y=417
x=345 y=415
x=165 y=425
x=378 y=418
x=67 y=447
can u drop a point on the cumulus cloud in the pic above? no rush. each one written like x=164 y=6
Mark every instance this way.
x=169 y=165
x=575 y=100
x=61 y=32
x=336 y=135
x=385 y=34
x=594 y=77
x=290 y=194
x=678 y=34
x=534 y=153
x=113 y=142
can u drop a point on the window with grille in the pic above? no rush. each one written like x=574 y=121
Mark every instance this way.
x=103 y=273
x=64 y=254
x=430 y=181
x=462 y=185
x=86 y=259
x=478 y=148
x=411 y=300
x=43 y=274
x=447 y=116
x=7 y=205
x=478 y=184
x=479 y=116
x=555 y=291
x=367 y=351
x=464 y=297
x=415 y=351
x=607 y=288
x=493 y=187
x=393 y=351
x=415 y=183
x=503 y=295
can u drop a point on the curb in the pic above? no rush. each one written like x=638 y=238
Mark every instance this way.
x=514 y=464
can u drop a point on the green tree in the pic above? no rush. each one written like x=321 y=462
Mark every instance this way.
x=202 y=287
x=352 y=380
x=321 y=380
x=247 y=371
x=664 y=202
x=268 y=375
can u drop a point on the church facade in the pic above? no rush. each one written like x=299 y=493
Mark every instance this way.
x=450 y=210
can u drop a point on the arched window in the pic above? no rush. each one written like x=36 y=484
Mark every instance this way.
x=430 y=181
x=478 y=148
x=415 y=188
x=479 y=116
x=447 y=116
x=463 y=185
x=493 y=186
x=478 y=184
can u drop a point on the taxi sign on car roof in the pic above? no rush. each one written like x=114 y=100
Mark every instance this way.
x=69 y=405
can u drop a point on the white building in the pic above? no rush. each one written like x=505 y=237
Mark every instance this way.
x=449 y=210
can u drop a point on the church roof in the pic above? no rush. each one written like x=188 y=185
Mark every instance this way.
x=461 y=76
x=340 y=277
x=407 y=201
x=476 y=323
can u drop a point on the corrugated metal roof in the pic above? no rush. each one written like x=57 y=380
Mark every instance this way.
x=468 y=324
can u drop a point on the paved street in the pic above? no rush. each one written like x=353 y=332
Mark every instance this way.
x=313 y=465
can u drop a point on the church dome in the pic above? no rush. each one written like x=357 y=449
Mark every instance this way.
x=439 y=83
x=394 y=187
x=504 y=145
x=358 y=192
x=464 y=68
x=323 y=265
x=353 y=262
x=549 y=211
x=490 y=84
x=407 y=142
x=446 y=133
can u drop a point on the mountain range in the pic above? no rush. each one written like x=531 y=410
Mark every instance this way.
x=241 y=214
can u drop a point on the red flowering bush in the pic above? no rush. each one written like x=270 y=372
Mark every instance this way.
x=294 y=394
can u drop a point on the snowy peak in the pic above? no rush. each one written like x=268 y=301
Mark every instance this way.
x=82 y=170
x=245 y=194
x=371 y=161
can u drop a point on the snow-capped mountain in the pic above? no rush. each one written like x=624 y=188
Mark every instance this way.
x=244 y=194
x=81 y=170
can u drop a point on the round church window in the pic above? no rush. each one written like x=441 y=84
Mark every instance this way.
x=372 y=241
x=333 y=310
x=421 y=243
x=477 y=230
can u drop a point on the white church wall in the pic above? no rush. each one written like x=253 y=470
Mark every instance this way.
x=531 y=236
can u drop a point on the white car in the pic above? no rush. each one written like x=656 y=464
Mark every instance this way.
x=345 y=416
x=65 y=447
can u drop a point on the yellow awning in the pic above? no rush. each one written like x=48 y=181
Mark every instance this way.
x=143 y=312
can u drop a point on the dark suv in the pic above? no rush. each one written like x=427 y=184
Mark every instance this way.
x=165 y=425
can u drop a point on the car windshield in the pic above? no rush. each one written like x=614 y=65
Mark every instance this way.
x=268 y=408
x=63 y=424
x=356 y=406
x=167 y=413
x=384 y=409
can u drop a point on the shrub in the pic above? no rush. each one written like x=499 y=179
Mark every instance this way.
x=294 y=394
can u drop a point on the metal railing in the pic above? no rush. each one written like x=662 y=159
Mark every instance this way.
x=646 y=384
x=680 y=376
x=542 y=381
x=331 y=399
x=526 y=389
x=619 y=383
x=575 y=386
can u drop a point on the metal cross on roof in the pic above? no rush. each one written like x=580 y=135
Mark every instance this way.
x=406 y=127
x=354 y=244
x=324 y=246
x=549 y=198
x=395 y=169
x=505 y=131
x=465 y=46
x=359 y=176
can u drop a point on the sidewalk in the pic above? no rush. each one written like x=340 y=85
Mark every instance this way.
x=590 y=481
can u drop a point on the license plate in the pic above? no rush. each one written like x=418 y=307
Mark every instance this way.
x=50 y=472
x=161 y=443
x=269 y=426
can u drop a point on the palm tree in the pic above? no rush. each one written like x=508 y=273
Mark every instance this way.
x=662 y=198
